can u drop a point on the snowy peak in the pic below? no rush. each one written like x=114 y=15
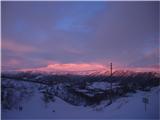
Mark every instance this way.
x=78 y=69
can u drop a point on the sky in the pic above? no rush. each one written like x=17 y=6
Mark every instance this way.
x=39 y=34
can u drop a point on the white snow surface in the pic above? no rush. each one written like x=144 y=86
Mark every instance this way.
x=130 y=107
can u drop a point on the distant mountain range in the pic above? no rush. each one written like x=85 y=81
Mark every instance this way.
x=83 y=69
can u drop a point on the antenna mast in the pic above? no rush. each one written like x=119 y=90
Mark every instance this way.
x=111 y=68
x=111 y=75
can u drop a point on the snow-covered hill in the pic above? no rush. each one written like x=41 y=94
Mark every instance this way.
x=124 y=107
x=30 y=95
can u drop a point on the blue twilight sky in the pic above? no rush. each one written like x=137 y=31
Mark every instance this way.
x=35 y=34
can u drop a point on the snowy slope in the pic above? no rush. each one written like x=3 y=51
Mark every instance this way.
x=125 y=107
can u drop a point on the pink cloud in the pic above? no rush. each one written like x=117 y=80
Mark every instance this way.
x=143 y=69
x=17 y=47
x=13 y=62
x=70 y=67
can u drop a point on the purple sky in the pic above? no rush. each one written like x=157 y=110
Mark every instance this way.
x=35 y=34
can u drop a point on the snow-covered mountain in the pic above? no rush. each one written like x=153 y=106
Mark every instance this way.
x=82 y=69
x=75 y=69
x=100 y=72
